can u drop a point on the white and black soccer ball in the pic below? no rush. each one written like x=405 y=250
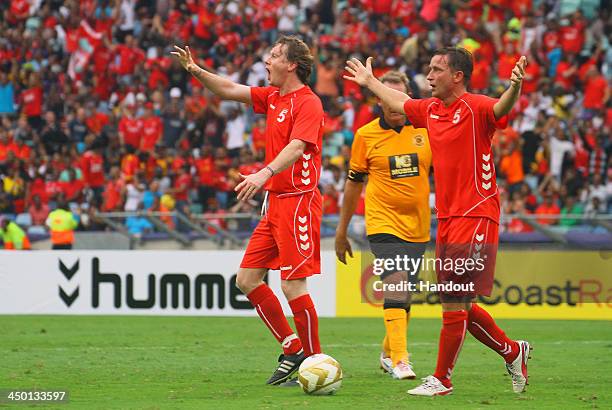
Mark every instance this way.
x=320 y=375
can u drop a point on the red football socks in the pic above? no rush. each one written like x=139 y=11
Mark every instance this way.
x=454 y=326
x=270 y=311
x=306 y=323
x=482 y=326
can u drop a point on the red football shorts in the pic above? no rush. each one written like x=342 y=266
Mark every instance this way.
x=288 y=237
x=466 y=248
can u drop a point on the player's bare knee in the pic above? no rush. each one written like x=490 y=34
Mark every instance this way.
x=247 y=281
x=293 y=288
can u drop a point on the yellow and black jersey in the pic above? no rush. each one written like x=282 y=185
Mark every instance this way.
x=397 y=163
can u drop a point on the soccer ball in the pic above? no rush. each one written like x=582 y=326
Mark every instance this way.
x=320 y=375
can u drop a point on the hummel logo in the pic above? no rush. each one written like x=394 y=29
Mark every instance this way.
x=480 y=237
x=306 y=156
x=286 y=267
x=486 y=167
x=486 y=157
x=69 y=273
x=305 y=174
x=303 y=228
x=302 y=219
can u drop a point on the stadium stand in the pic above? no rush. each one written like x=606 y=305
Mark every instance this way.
x=94 y=110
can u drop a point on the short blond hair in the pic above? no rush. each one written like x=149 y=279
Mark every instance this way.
x=396 y=77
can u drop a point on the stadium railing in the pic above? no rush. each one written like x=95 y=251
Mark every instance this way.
x=234 y=228
x=231 y=230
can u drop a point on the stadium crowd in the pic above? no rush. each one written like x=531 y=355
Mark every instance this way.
x=95 y=111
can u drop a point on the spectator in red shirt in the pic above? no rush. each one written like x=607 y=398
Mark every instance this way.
x=38 y=211
x=533 y=71
x=567 y=70
x=517 y=225
x=205 y=166
x=180 y=191
x=130 y=164
x=480 y=74
x=152 y=128
x=73 y=188
x=506 y=62
x=130 y=128
x=548 y=207
x=330 y=200
x=551 y=38
x=572 y=33
x=182 y=185
x=53 y=188
x=158 y=77
x=92 y=165
x=113 y=192
x=19 y=10
x=596 y=91
x=259 y=137
x=32 y=102
x=95 y=120
x=127 y=55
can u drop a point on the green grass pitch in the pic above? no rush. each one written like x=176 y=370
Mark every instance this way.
x=211 y=362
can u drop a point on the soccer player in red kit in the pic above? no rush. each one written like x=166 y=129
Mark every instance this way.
x=460 y=126
x=287 y=237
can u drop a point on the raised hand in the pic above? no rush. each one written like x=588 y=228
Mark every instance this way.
x=184 y=57
x=359 y=73
x=518 y=72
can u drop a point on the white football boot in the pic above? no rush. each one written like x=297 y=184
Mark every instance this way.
x=403 y=371
x=385 y=363
x=430 y=387
x=518 y=368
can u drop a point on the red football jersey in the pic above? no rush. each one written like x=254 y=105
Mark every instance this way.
x=297 y=115
x=460 y=137
x=152 y=130
x=131 y=128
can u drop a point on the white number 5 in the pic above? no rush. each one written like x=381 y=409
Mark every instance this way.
x=456 y=117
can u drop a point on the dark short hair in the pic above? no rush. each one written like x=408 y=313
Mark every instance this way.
x=298 y=52
x=396 y=77
x=459 y=59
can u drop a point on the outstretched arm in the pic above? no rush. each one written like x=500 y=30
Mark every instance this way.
x=224 y=88
x=512 y=94
x=363 y=76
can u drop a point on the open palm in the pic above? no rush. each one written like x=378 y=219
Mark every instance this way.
x=184 y=56
x=358 y=72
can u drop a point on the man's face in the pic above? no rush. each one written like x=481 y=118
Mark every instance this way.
x=441 y=79
x=277 y=65
x=393 y=118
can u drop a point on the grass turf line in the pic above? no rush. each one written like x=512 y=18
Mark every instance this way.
x=128 y=362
